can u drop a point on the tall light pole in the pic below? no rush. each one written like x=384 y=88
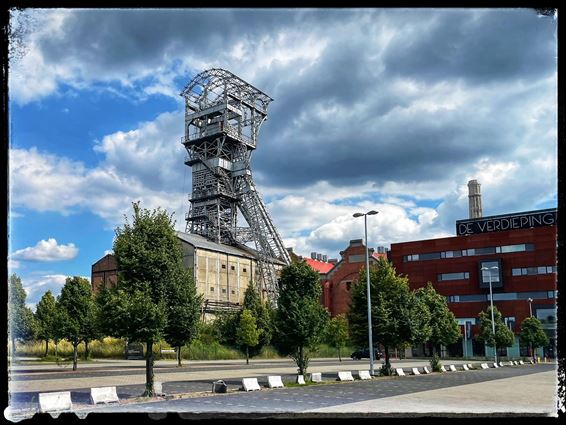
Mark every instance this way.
x=370 y=338
x=491 y=299
x=530 y=300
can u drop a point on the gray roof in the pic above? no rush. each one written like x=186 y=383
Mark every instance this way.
x=199 y=241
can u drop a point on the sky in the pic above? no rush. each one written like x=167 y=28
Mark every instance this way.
x=393 y=110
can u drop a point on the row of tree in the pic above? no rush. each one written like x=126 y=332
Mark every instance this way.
x=156 y=299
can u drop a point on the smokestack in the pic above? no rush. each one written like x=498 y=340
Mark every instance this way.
x=313 y=255
x=474 y=199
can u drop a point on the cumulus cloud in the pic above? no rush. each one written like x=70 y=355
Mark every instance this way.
x=47 y=250
x=38 y=284
x=374 y=108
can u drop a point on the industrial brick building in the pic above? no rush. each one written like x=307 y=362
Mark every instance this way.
x=519 y=250
x=221 y=272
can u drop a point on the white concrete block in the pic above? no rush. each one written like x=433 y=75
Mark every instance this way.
x=465 y=367
x=425 y=370
x=452 y=368
x=103 y=395
x=158 y=388
x=495 y=365
x=415 y=371
x=345 y=376
x=471 y=366
x=250 y=384
x=316 y=377
x=400 y=372
x=521 y=362
x=484 y=366
x=364 y=374
x=300 y=380
x=500 y=364
x=275 y=382
x=442 y=369
x=55 y=402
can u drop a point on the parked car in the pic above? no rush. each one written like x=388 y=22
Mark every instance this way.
x=364 y=354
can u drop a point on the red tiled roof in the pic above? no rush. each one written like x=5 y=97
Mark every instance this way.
x=319 y=266
x=376 y=255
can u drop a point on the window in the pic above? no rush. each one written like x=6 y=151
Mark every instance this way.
x=530 y=271
x=233 y=292
x=232 y=268
x=245 y=270
x=453 y=276
x=223 y=266
x=430 y=256
x=212 y=289
x=223 y=290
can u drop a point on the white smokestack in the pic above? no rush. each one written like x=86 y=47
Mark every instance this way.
x=474 y=199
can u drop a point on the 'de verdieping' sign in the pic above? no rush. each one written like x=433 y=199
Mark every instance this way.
x=497 y=223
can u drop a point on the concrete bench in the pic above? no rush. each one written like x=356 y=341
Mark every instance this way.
x=484 y=366
x=345 y=376
x=55 y=402
x=103 y=395
x=452 y=368
x=425 y=370
x=300 y=380
x=400 y=372
x=275 y=382
x=316 y=377
x=415 y=371
x=364 y=374
x=250 y=384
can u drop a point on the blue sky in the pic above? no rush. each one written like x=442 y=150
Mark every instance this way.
x=386 y=109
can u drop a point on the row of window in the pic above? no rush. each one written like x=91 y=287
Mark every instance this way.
x=508 y=296
x=523 y=271
x=529 y=271
x=233 y=268
x=223 y=290
x=505 y=249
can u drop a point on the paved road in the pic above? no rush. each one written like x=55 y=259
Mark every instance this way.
x=525 y=389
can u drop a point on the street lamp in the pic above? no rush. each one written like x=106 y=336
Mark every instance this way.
x=530 y=300
x=372 y=212
x=491 y=299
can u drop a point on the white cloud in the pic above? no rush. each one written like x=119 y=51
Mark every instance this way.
x=36 y=286
x=46 y=250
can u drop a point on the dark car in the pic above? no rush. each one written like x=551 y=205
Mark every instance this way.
x=364 y=354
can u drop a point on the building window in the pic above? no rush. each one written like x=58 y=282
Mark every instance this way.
x=233 y=292
x=212 y=289
x=470 y=252
x=453 y=276
x=530 y=271
x=232 y=268
x=245 y=270
x=223 y=290
x=223 y=266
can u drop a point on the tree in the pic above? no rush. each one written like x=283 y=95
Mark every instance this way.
x=183 y=312
x=77 y=305
x=441 y=322
x=21 y=322
x=391 y=310
x=300 y=318
x=533 y=334
x=337 y=333
x=503 y=335
x=45 y=316
x=149 y=260
x=247 y=334
x=259 y=310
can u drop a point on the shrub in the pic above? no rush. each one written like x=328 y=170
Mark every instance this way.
x=435 y=363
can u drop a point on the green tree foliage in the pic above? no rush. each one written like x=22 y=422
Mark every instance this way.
x=21 y=322
x=337 y=333
x=261 y=311
x=300 y=318
x=533 y=334
x=183 y=312
x=77 y=309
x=247 y=333
x=503 y=335
x=391 y=310
x=149 y=262
x=45 y=316
x=441 y=326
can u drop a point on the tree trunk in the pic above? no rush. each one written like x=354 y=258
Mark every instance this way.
x=339 y=356
x=301 y=362
x=56 y=350
x=46 y=347
x=387 y=362
x=247 y=355
x=86 y=350
x=75 y=355
x=149 y=370
x=179 y=364
x=13 y=349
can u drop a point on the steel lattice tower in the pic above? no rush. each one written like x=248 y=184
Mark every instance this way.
x=223 y=114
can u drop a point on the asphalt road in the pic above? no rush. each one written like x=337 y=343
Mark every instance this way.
x=341 y=397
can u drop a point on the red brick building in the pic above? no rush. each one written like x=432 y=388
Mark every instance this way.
x=337 y=283
x=523 y=248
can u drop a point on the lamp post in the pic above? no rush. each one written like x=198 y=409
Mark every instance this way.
x=491 y=299
x=370 y=338
x=530 y=300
